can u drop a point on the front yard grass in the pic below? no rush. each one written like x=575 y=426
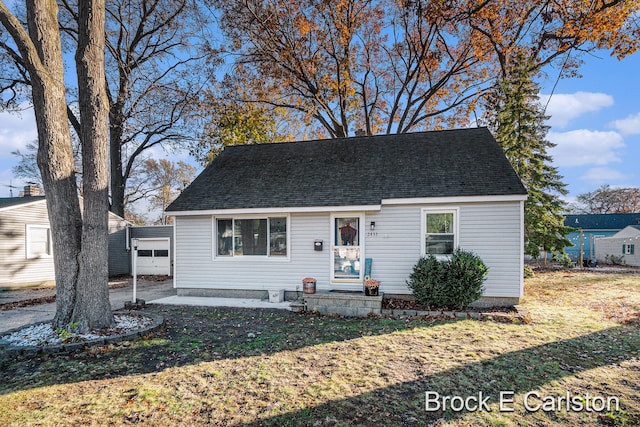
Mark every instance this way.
x=266 y=367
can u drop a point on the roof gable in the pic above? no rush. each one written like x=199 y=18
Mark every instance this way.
x=356 y=171
x=628 y=231
x=7 y=203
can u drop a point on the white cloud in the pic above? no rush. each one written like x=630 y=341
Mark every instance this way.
x=565 y=107
x=585 y=147
x=568 y=199
x=174 y=154
x=16 y=131
x=629 y=125
x=603 y=176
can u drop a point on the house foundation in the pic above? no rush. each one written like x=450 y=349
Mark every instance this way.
x=354 y=304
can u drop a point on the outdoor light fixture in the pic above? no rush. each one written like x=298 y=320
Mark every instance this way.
x=372 y=225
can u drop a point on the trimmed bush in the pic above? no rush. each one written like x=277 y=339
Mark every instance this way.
x=452 y=284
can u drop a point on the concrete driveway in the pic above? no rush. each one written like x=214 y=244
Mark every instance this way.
x=146 y=290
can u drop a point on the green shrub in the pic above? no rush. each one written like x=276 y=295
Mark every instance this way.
x=528 y=272
x=452 y=284
x=563 y=258
x=615 y=260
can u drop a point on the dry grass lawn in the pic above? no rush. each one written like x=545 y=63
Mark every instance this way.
x=263 y=367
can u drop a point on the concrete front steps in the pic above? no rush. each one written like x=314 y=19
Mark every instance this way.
x=354 y=304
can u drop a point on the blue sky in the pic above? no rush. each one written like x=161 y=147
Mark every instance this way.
x=595 y=120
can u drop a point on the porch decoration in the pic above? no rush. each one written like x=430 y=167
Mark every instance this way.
x=371 y=287
x=309 y=285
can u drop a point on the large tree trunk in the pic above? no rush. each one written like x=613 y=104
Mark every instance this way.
x=92 y=309
x=85 y=301
x=55 y=154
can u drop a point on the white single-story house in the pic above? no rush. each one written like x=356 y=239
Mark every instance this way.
x=621 y=246
x=263 y=217
x=26 y=250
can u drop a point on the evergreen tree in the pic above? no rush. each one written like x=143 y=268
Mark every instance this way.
x=515 y=116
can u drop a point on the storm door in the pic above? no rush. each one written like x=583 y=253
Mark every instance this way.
x=346 y=247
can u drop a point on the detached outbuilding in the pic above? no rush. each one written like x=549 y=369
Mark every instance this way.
x=621 y=248
x=263 y=217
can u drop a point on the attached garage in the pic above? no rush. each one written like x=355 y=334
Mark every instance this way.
x=153 y=256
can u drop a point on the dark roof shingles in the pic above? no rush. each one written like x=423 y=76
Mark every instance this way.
x=6 y=202
x=353 y=171
x=615 y=221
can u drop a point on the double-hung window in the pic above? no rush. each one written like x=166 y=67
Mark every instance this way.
x=440 y=231
x=38 y=241
x=251 y=236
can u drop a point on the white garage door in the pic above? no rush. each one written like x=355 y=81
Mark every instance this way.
x=153 y=257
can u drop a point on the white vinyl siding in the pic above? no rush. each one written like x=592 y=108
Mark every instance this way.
x=16 y=265
x=394 y=246
x=624 y=244
x=494 y=233
x=197 y=266
x=492 y=230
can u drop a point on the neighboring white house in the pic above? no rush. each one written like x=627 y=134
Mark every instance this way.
x=622 y=247
x=263 y=217
x=26 y=250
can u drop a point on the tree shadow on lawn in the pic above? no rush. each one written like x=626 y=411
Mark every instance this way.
x=196 y=335
x=519 y=372
x=192 y=335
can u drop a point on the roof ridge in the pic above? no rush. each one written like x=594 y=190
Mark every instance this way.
x=355 y=171
x=353 y=137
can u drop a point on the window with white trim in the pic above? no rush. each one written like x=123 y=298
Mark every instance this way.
x=440 y=228
x=38 y=241
x=628 y=249
x=251 y=236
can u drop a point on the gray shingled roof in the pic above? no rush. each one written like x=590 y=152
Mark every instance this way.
x=353 y=171
x=5 y=202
